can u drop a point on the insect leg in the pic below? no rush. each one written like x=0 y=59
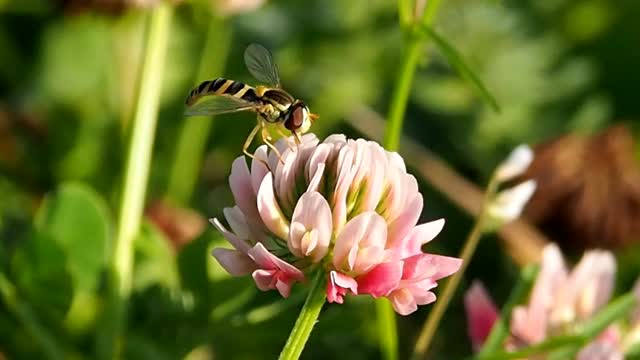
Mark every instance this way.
x=284 y=135
x=247 y=142
x=297 y=137
x=266 y=138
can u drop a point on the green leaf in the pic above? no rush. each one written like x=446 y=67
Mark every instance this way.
x=456 y=60
x=77 y=219
x=41 y=276
x=155 y=262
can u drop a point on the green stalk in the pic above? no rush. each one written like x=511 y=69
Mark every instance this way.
x=500 y=330
x=25 y=316
x=196 y=130
x=431 y=325
x=387 y=328
x=306 y=320
x=136 y=174
x=395 y=118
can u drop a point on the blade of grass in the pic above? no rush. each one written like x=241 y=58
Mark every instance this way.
x=195 y=131
x=568 y=346
x=500 y=329
x=387 y=328
x=456 y=60
x=135 y=180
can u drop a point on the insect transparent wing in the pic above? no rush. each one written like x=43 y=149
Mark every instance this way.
x=260 y=63
x=215 y=105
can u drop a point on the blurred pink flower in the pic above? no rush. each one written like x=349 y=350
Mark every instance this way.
x=481 y=314
x=560 y=300
x=347 y=206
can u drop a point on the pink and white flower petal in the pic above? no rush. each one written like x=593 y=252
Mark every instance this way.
x=273 y=272
x=340 y=285
x=418 y=236
x=360 y=245
x=242 y=189
x=381 y=280
x=311 y=227
x=240 y=244
x=234 y=262
x=481 y=312
x=269 y=209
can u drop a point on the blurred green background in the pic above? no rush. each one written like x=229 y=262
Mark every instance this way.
x=69 y=73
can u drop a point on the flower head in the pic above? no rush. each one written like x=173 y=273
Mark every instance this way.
x=347 y=207
x=559 y=302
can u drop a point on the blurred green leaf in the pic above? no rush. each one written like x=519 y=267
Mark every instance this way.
x=41 y=276
x=155 y=262
x=456 y=60
x=77 y=219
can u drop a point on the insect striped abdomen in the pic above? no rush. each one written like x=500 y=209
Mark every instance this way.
x=221 y=86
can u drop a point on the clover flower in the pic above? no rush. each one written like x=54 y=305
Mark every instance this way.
x=560 y=301
x=347 y=207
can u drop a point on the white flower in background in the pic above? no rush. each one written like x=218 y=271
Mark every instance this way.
x=508 y=204
x=516 y=163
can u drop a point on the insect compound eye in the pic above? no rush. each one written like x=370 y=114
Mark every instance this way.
x=296 y=118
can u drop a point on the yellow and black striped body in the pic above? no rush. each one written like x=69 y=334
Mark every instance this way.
x=222 y=87
x=271 y=103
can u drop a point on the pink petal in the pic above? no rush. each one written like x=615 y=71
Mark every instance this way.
x=273 y=273
x=258 y=167
x=433 y=267
x=635 y=314
x=481 y=314
x=598 y=350
x=356 y=247
x=531 y=324
x=266 y=260
x=402 y=225
x=403 y=301
x=343 y=182
x=314 y=183
x=340 y=285
x=381 y=280
x=237 y=243
x=312 y=216
x=237 y=222
x=592 y=282
x=240 y=183
x=418 y=236
x=376 y=179
x=318 y=157
x=234 y=262
x=269 y=209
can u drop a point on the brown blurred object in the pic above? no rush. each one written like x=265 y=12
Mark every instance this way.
x=180 y=225
x=588 y=191
x=14 y=127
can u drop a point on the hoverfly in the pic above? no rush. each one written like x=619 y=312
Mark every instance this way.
x=272 y=104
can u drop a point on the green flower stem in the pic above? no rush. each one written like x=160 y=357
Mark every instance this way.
x=306 y=320
x=196 y=130
x=137 y=170
x=500 y=330
x=413 y=52
x=431 y=325
x=540 y=348
x=401 y=92
x=387 y=329
x=25 y=316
